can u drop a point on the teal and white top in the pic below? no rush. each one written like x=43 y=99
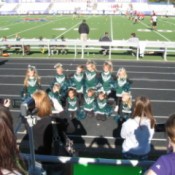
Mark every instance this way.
x=77 y=81
x=33 y=86
x=72 y=104
x=89 y=103
x=106 y=81
x=62 y=81
x=121 y=85
x=101 y=106
x=126 y=109
x=91 y=80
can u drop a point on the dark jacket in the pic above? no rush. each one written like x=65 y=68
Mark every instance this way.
x=83 y=28
x=105 y=39
x=43 y=132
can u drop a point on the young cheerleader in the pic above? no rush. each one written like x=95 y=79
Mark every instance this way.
x=55 y=97
x=61 y=79
x=72 y=103
x=107 y=78
x=32 y=82
x=91 y=77
x=101 y=108
x=77 y=81
x=122 y=85
x=89 y=103
x=126 y=108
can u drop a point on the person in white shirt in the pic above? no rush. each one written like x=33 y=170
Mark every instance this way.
x=134 y=40
x=154 y=22
x=138 y=131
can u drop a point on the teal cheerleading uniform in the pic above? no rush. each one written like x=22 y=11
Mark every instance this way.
x=91 y=80
x=89 y=103
x=55 y=95
x=77 y=81
x=101 y=107
x=62 y=81
x=122 y=85
x=72 y=106
x=33 y=86
x=126 y=112
x=106 y=82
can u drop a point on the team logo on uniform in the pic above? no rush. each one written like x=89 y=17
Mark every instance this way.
x=60 y=79
x=89 y=100
x=101 y=105
x=106 y=77
x=72 y=103
x=121 y=82
x=78 y=77
x=90 y=77
x=32 y=82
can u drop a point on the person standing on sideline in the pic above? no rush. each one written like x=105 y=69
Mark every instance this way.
x=165 y=164
x=154 y=22
x=83 y=30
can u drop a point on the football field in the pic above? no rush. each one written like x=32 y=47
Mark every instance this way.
x=119 y=27
x=55 y=26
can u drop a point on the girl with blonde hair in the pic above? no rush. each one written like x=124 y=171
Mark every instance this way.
x=91 y=76
x=122 y=84
x=32 y=82
x=107 y=78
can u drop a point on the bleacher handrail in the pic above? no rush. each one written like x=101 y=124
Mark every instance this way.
x=83 y=160
x=163 y=46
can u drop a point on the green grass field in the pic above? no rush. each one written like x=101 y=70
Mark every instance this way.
x=119 y=27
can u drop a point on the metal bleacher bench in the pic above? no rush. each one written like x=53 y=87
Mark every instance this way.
x=76 y=45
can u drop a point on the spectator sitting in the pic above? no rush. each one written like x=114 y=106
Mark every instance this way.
x=62 y=48
x=10 y=161
x=105 y=49
x=138 y=131
x=43 y=129
x=133 y=39
x=165 y=164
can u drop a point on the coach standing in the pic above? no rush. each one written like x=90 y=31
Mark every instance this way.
x=83 y=30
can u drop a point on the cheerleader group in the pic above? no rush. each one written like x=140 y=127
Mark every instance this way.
x=87 y=92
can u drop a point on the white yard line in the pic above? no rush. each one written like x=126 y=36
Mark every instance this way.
x=156 y=31
x=38 y=26
x=70 y=28
x=111 y=26
x=167 y=22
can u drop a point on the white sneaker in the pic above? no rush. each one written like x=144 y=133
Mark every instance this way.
x=116 y=109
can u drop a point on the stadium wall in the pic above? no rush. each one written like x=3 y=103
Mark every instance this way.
x=89 y=8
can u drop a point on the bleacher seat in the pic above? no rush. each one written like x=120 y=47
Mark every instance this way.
x=7 y=8
x=33 y=8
